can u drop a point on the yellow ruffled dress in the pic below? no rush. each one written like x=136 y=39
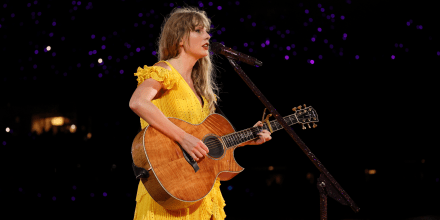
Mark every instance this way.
x=179 y=101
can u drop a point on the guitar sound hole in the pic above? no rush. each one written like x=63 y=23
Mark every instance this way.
x=215 y=146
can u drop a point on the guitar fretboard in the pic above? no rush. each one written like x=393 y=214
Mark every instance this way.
x=239 y=137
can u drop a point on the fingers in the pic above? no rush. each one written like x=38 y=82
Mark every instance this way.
x=259 y=123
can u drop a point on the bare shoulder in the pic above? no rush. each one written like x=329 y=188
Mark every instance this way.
x=164 y=65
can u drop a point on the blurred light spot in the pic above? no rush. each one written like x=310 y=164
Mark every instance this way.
x=357 y=57
x=294 y=53
x=305 y=23
x=400 y=45
x=100 y=75
x=94 y=51
x=251 y=50
x=103 y=47
x=104 y=194
x=54 y=23
x=8 y=129
x=57 y=121
x=103 y=38
x=4 y=143
x=288 y=48
x=93 y=36
x=312 y=61
x=407 y=23
x=263 y=45
x=219 y=7
x=310 y=19
x=305 y=48
x=210 y=4
x=100 y=60
x=138 y=49
x=313 y=39
x=267 y=42
x=245 y=44
x=344 y=35
x=121 y=71
x=270 y=168
x=73 y=130
x=241 y=19
x=392 y=57
x=229 y=188
x=36 y=51
x=322 y=9
x=320 y=57
x=306 y=11
x=89 y=135
x=342 y=17
x=286 y=57
x=331 y=46
x=200 y=4
x=54 y=198
x=249 y=16
x=254 y=24
x=171 y=4
x=319 y=29
x=237 y=3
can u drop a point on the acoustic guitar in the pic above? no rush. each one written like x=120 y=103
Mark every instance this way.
x=175 y=180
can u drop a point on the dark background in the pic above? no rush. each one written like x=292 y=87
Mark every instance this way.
x=375 y=112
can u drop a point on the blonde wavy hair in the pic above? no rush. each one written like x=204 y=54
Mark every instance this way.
x=176 y=27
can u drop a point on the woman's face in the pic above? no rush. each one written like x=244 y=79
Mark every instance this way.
x=198 y=43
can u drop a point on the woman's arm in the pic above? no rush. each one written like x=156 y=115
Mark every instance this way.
x=140 y=103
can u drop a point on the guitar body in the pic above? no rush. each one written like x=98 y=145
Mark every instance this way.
x=173 y=182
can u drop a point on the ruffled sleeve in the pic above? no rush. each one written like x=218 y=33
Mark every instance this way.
x=168 y=78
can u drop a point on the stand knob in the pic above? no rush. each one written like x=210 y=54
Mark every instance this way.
x=314 y=125
x=308 y=125
x=294 y=109
x=299 y=107
x=304 y=127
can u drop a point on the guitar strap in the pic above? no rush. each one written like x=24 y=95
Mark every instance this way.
x=140 y=172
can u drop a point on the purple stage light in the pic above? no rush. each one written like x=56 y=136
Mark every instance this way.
x=331 y=46
x=408 y=23
x=312 y=61
x=78 y=3
x=320 y=57
x=54 y=23
x=109 y=57
x=154 y=53
x=36 y=52
x=35 y=66
x=4 y=143
x=249 y=16
x=54 y=198
x=267 y=42
x=75 y=8
x=332 y=15
x=29 y=5
x=292 y=46
x=306 y=11
x=406 y=49
x=319 y=29
x=237 y=3
x=121 y=71
x=438 y=53
x=288 y=48
x=135 y=24
x=91 y=66
x=357 y=57
x=328 y=17
x=39 y=195
x=263 y=45
x=400 y=45
x=242 y=19
x=171 y=5
x=103 y=38
x=319 y=5
x=223 y=29
x=140 y=15
x=103 y=47
x=245 y=44
x=219 y=8
x=287 y=31
x=313 y=39
x=90 y=53
x=131 y=54
x=151 y=25
x=200 y=5
x=93 y=36
x=342 y=17
x=54 y=54
x=305 y=24
x=138 y=49
x=210 y=3
x=294 y=53
x=104 y=194
x=286 y=57
x=254 y=24
x=393 y=57
x=322 y=9
x=310 y=19
x=100 y=75
x=344 y=35
x=73 y=198
x=396 y=45
x=78 y=65
x=94 y=51
x=282 y=35
x=251 y=50
x=340 y=53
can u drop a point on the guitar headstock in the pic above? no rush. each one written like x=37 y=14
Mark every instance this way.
x=306 y=115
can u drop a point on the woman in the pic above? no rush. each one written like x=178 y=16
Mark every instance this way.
x=181 y=85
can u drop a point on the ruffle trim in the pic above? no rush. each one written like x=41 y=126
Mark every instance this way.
x=213 y=204
x=168 y=78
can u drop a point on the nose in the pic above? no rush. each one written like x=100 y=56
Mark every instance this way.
x=207 y=36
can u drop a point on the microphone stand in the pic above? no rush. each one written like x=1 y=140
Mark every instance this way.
x=326 y=184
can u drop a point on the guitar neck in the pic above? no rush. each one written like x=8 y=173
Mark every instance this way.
x=242 y=136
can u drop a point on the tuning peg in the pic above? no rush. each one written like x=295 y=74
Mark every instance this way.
x=304 y=127
x=314 y=125
x=294 y=109
x=305 y=106
x=308 y=125
x=299 y=107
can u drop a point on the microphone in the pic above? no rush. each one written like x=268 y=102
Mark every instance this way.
x=219 y=48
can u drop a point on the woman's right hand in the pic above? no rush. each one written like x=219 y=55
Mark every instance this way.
x=193 y=146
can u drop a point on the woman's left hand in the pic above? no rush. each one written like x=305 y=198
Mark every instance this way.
x=264 y=136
